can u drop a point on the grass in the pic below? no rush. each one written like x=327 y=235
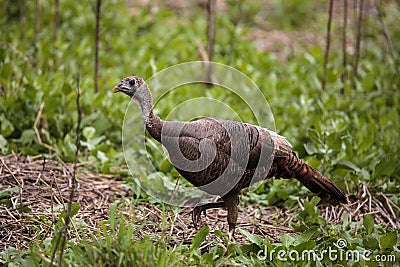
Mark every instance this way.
x=353 y=138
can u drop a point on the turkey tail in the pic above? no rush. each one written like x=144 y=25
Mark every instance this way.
x=313 y=180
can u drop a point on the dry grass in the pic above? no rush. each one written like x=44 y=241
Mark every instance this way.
x=44 y=187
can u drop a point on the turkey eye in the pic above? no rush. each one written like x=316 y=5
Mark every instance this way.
x=132 y=82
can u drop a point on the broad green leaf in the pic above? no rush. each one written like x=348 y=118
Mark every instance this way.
x=27 y=136
x=348 y=165
x=3 y=144
x=371 y=243
x=287 y=240
x=388 y=240
x=252 y=238
x=102 y=156
x=199 y=237
x=9 y=192
x=88 y=132
x=6 y=127
x=314 y=201
x=311 y=233
x=368 y=222
x=309 y=208
x=386 y=166
x=314 y=136
x=311 y=149
x=308 y=245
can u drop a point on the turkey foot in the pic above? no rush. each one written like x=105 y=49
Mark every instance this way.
x=203 y=207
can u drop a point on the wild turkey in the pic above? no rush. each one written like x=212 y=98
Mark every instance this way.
x=222 y=157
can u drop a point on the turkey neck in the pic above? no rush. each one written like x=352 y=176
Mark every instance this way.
x=152 y=122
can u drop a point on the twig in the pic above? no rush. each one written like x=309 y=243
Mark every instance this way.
x=35 y=128
x=12 y=174
x=328 y=43
x=388 y=205
x=62 y=237
x=96 y=55
x=202 y=50
x=175 y=190
x=74 y=182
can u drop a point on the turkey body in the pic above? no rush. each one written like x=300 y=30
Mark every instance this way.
x=243 y=154
x=222 y=157
x=221 y=152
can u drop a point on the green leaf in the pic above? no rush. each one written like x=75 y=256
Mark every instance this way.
x=388 y=240
x=348 y=165
x=74 y=210
x=310 y=148
x=9 y=192
x=386 y=166
x=102 y=156
x=314 y=136
x=308 y=245
x=88 y=132
x=3 y=144
x=199 y=237
x=309 y=206
x=368 y=222
x=92 y=143
x=287 y=240
x=334 y=142
x=113 y=212
x=219 y=233
x=252 y=238
x=311 y=233
x=27 y=136
x=371 y=243
x=6 y=127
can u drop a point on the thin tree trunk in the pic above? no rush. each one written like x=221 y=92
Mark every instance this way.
x=36 y=33
x=386 y=33
x=96 y=55
x=56 y=19
x=344 y=47
x=358 y=37
x=22 y=16
x=211 y=5
x=235 y=21
x=328 y=43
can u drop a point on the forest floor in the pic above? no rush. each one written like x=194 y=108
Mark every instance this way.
x=36 y=190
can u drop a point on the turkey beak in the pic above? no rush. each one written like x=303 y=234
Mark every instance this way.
x=121 y=87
